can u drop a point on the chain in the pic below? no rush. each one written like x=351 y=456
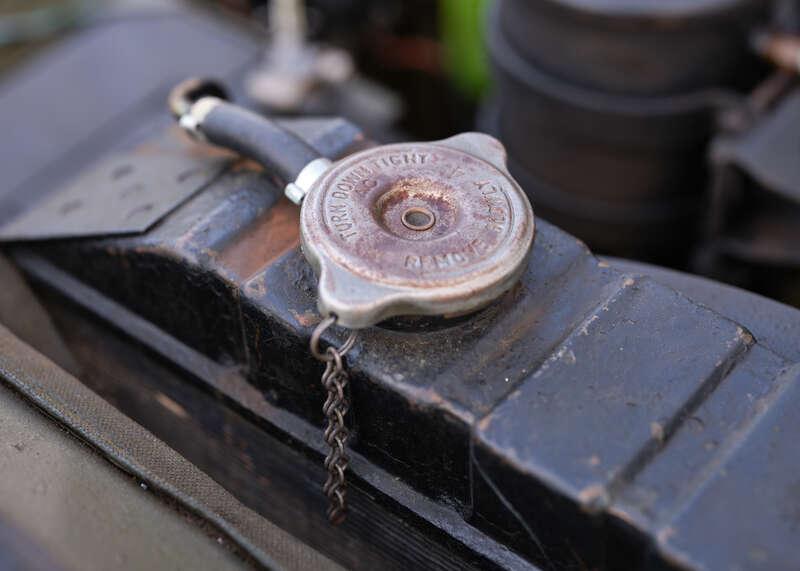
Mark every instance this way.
x=335 y=380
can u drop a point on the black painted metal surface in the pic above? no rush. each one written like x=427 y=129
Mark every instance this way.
x=577 y=420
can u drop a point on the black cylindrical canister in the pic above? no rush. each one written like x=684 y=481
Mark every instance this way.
x=606 y=108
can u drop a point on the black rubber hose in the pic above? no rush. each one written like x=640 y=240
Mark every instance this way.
x=256 y=137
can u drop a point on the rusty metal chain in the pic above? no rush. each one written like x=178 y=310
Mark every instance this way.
x=335 y=380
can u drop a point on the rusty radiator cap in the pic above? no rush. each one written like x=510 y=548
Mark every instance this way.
x=434 y=228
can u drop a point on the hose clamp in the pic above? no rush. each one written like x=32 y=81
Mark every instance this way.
x=296 y=191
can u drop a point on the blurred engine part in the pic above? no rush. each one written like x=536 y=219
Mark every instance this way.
x=300 y=75
x=27 y=25
x=607 y=108
x=292 y=68
x=24 y=21
x=420 y=63
x=753 y=233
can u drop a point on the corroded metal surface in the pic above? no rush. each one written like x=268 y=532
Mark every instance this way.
x=416 y=228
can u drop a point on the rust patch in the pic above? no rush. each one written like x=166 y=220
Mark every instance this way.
x=306 y=319
x=246 y=165
x=484 y=423
x=171 y=405
x=269 y=237
x=780 y=49
x=256 y=287
x=593 y=498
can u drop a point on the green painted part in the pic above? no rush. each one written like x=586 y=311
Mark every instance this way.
x=462 y=24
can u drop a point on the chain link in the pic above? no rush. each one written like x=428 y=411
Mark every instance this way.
x=335 y=380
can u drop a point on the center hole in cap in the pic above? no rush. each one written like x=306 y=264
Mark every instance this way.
x=417 y=218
